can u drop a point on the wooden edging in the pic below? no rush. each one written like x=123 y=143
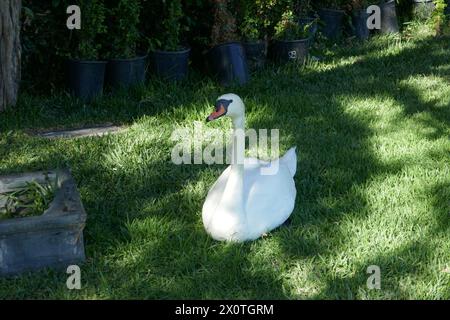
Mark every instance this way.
x=96 y=131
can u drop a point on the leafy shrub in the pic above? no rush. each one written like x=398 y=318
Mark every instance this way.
x=169 y=35
x=252 y=21
x=332 y=4
x=46 y=42
x=438 y=16
x=250 y=29
x=361 y=4
x=303 y=8
x=288 y=28
x=40 y=32
x=198 y=20
x=224 y=27
x=123 y=33
x=88 y=42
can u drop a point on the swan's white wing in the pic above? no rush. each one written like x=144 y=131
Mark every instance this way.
x=270 y=199
x=290 y=160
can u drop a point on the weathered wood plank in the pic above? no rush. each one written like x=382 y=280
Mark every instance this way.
x=81 y=133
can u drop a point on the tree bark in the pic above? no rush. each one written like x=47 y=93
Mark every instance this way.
x=10 y=51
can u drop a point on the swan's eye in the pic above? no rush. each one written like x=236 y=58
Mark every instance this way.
x=222 y=103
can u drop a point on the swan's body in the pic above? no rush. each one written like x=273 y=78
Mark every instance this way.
x=244 y=203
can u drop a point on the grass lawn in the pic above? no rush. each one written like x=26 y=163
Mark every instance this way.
x=371 y=123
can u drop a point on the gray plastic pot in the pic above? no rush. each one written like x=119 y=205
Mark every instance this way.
x=332 y=22
x=359 y=24
x=389 y=22
x=423 y=9
x=256 y=53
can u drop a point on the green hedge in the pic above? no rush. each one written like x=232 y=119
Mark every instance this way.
x=117 y=28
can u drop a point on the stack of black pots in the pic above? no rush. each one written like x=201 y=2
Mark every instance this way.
x=85 y=79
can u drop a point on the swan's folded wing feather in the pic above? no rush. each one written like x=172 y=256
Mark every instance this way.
x=270 y=199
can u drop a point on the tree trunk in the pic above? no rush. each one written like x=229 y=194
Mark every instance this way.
x=10 y=51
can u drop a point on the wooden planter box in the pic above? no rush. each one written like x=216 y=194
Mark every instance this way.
x=54 y=239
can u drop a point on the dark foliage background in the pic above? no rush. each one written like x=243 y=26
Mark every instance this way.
x=46 y=41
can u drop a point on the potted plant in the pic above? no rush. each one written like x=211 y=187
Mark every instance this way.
x=389 y=22
x=85 y=72
x=41 y=222
x=125 y=66
x=359 y=18
x=331 y=14
x=254 y=42
x=438 y=17
x=169 y=59
x=306 y=18
x=226 y=58
x=291 y=40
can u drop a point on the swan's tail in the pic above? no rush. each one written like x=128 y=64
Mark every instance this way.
x=290 y=160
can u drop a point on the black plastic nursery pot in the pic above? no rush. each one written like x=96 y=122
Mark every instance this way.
x=228 y=63
x=256 y=53
x=170 y=65
x=126 y=72
x=85 y=78
x=290 y=51
x=359 y=23
x=332 y=22
x=423 y=9
x=389 y=22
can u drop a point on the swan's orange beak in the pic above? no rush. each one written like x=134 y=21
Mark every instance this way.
x=220 y=111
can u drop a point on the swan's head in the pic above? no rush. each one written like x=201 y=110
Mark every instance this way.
x=229 y=105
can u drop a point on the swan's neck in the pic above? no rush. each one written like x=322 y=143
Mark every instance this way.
x=238 y=150
x=233 y=196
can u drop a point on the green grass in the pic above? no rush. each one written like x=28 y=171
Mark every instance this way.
x=371 y=123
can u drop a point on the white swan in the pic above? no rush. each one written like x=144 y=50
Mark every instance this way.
x=244 y=204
